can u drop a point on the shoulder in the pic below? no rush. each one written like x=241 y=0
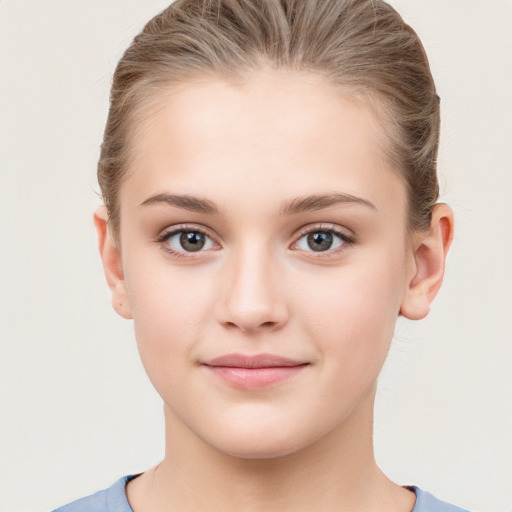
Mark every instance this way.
x=112 y=499
x=425 y=502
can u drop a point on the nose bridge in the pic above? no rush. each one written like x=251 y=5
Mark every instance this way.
x=252 y=298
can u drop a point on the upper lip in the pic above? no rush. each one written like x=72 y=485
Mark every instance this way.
x=253 y=361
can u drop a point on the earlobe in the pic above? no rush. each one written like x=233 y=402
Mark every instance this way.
x=427 y=268
x=112 y=265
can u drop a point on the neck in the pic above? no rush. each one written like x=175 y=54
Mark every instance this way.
x=335 y=472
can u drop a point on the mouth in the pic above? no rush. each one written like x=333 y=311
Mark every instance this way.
x=253 y=371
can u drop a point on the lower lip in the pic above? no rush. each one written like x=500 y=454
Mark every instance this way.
x=255 y=378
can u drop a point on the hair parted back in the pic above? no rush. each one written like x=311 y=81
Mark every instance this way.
x=363 y=46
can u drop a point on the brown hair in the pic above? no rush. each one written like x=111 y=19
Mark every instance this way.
x=362 y=45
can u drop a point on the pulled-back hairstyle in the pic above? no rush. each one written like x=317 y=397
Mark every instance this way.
x=363 y=46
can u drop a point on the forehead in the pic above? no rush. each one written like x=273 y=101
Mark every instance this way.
x=277 y=133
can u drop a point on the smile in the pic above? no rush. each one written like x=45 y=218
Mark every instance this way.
x=254 y=372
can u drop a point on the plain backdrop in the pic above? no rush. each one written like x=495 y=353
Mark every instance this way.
x=76 y=409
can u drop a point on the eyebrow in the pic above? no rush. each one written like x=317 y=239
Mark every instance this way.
x=191 y=203
x=295 y=206
x=321 y=201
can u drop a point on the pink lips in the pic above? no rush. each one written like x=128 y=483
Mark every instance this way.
x=253 y=372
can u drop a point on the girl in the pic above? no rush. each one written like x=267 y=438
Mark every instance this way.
x=268 y=172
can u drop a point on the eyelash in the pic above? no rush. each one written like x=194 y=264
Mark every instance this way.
x=346 y=240
x=167 y=234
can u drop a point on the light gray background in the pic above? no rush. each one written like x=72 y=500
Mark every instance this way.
x=76 y=409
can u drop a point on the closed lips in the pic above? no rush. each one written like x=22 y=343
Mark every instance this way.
x=253 y=361
x=252 y=372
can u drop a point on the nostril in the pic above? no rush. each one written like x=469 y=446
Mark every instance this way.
x=251 y=304
x=248 y=326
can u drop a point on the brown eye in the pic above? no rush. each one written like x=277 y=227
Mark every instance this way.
x=192 y=241
x=186 y=241
x=323 y=240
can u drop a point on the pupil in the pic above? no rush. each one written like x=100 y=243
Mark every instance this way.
x=192 y=241
x=320 y=241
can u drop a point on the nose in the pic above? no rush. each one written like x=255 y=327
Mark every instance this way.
x=252 y=297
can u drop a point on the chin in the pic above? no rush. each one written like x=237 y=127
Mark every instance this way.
x=267 y=442
x=256 y=451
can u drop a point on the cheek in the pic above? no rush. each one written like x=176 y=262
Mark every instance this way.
x=351 y=313
x=169 y=310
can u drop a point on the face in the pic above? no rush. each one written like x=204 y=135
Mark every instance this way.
x=264 y=257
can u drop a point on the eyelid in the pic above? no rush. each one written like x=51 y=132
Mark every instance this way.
x=348 y=239
x=178 y=228
x=172 y=230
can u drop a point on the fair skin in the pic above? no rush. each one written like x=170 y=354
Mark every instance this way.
x=297 y=248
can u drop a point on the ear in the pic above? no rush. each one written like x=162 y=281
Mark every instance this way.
x=111 y=257
x=428 y=261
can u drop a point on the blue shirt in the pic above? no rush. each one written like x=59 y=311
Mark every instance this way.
x=114 y=499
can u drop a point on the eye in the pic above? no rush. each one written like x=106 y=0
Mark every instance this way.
x=322 y=240
x=186 y=241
